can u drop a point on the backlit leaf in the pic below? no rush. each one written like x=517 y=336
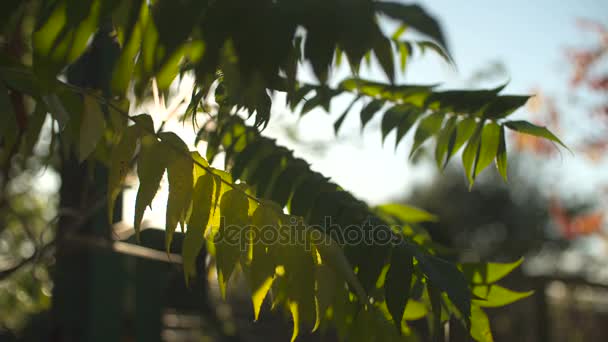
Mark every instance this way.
x=496 y=296
x=179 y=174
x=426 y=128
x=443 y=141
x=488 y=273
x=470 y=155
x=333 y=256
x=202 y=201
x=262 y=265
x=151 y=165
x=234 y=207
x=326 y=288
x=414 y=310
x=480 y=325
x=463 y=132
x=490 y=139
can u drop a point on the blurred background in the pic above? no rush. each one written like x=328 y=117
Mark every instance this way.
x=553 y=211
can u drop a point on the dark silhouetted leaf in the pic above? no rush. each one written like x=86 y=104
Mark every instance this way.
x=367 y=113
x=413 y=16
x=398 y=282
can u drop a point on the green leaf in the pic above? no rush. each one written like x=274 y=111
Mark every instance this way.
x=295 y=315
x=61 y=40
x=202 y=202
x=427 y=127
x=221 y=179
x=234 y=207
x=297 y=284
x=151 y=165
x=344 y=311
x=391 y=119
x=404 y=52
x=120 y=161
x=413 y=16
x=406 y=213
x=409 y=119
x=92 y=127
x=414 y=310
x=496 y=296
x=501 y=155
x=531 y=129
x=470 y=155
x=326 y=281
x=398 y=282
x=414 y=95
x=480 y=325
x=367 y=113
x=488 y=273
x=490 y=139
x=262 y=265
x=179 y=173
x=443 y=142
x=464 y=130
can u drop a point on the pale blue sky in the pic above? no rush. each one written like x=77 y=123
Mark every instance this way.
x=528 y=37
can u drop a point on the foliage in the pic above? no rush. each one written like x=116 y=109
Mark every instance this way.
x=239 y=52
